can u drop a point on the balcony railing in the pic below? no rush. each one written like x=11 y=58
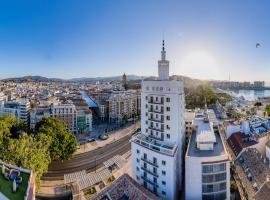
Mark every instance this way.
x=149 y=181
x=156 y=111
x=167 y=148
x=149 y=171
x=149 y=162
x=156 y=129
x=157 y=138
x=156 y=120
x=156 y=102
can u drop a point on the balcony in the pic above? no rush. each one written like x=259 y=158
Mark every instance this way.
x=149 y=181
x=157 y=138
x=151 y=101
x=156 y=111
x=149 y=171
x=149 y=162
x=163 y=147
x=156 y=129
x=156 y=120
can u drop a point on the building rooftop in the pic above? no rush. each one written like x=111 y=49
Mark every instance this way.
x=264 y=192
x=258 y=125
x=125 y=188
x=193 y=151
x=154 y=144
x=205 y=132
x=238 y=141
x=253 y=170
x=25 y=189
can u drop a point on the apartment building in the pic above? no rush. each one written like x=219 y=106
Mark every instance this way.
x=77 y=116
x=157 y=149
x=207 y=165
x=19 y=108
x=122 y=105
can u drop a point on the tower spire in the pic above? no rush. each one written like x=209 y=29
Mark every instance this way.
x=163 y=64
x=163 y=52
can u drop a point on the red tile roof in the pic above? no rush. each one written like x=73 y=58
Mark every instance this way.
x=236 y=142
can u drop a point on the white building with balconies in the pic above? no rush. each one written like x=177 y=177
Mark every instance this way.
x=157 y=149
x=207 y=165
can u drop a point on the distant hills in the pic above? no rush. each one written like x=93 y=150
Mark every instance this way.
x=189 y=82
x=83 y=79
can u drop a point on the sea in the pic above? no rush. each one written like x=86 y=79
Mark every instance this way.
x=251 y=95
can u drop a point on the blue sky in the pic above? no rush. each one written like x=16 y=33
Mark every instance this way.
x=206 y=39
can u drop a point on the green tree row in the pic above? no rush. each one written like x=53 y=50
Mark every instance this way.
x=51 y=140
x=196 y=97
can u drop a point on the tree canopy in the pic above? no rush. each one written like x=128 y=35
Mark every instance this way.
x=62 y=143
x=267 y=110
x=20 y=147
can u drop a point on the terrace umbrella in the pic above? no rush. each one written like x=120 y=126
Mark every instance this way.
x=14 y=185
x=3 y=169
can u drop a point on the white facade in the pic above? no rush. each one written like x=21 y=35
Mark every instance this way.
x=207 y=166
x=157 y=150
x=18 y=108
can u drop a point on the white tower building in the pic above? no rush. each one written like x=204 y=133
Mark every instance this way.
x=157 y=149
x=207 y=165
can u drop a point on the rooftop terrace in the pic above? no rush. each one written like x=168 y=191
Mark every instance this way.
x=195 y=152
x=7 y=185
x=155 y=145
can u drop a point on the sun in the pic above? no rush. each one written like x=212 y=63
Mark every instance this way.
x=200 y=64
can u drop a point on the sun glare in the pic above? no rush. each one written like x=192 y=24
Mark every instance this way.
x=201 y=64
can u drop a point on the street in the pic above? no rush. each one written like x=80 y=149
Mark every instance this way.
x=88 y=161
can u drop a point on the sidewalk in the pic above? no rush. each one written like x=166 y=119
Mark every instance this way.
x=114 y=136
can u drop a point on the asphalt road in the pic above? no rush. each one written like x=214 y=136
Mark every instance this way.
x=88 y=161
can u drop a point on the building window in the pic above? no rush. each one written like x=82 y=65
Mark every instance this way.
x=168 y=117
x=146 y=130
x=138 y=151
x=146 y=122
x=168 y=99
x=145 y=155
x=163 y=172
x=163 y=182
x=146 y=106
x=146 y=98
x=168 y=127
x=163 y=193
x=155 y=180
x=163 y=162
x=146 y=114
x=138 y=169
x=138 y=178
x=138 y=160
x=168 y=108
x=168 y=136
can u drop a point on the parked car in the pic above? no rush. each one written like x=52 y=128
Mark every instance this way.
x=103 y=137
x=91 y=140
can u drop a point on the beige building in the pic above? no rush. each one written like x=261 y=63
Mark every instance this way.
x=66 y=113
x=123 y=105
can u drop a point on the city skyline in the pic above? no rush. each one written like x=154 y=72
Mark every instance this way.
x=209 y=40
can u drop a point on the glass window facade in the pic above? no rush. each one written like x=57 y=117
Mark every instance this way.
x=214 y=179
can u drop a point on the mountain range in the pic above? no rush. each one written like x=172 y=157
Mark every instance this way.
x=189 y=82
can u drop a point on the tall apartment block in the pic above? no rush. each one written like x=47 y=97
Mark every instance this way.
x=157 y=149
x=207 y=164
